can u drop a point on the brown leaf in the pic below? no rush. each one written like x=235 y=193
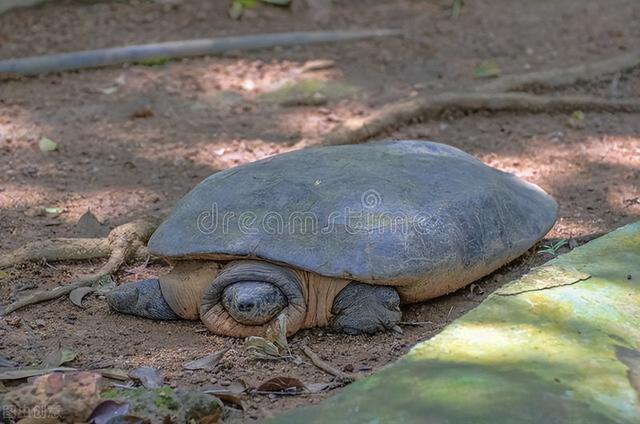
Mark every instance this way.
x=113 y=373
x=261 y=348
x=78 y=294
x=231 y=399
x=237 y=387
x=141 y=113
x=209 y=362
x=148 y=377
x=320 y=387
x=282 y=384
x=277 y=333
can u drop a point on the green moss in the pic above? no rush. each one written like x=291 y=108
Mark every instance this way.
x=165 y=398
x=308 y=92
x=154 y=61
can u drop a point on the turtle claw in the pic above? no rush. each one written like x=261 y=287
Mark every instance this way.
x=142 y=298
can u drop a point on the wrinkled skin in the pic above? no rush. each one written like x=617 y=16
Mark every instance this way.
x=363 y=308
x=358 y=308
x=142 y=298
x=253 y=302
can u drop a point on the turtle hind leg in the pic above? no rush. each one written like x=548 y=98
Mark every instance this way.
x=142 y=298
x=364 y=308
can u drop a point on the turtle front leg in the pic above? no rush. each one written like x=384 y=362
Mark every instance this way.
x=143 y=298
x=363 y=308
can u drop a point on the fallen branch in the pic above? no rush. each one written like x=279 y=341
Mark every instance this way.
x=123 y=242
x=415 y=323
x=396 y=114
x=177 y=49
x=326 y=367
x=554 y=78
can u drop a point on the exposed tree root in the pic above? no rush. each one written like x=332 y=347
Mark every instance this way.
x=121 y=244
x=326 y=367
x=554 y=78
x=491 y=96
x=58 y=249
x=400 y=113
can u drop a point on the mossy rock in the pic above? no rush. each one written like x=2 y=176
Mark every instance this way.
x=180 y=405
x=560 y=345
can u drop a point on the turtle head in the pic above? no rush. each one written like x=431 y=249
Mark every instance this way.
x=253 y=302
x=247 y=296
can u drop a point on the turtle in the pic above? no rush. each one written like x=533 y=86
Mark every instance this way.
x=337 y=237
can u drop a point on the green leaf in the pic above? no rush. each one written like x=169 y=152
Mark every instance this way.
x=3 y=275
x=47 y=145
x=282 y=3
x=487 y=69
x=578 y=115
x=456 y=7
x=236 y=9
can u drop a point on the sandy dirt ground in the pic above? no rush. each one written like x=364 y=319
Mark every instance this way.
x=132 y=140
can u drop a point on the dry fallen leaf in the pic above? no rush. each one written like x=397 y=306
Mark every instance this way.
x=261 y=348
x=113 y=373
x=89 y=226
x=107 y=410
x=476 y=289
x=19 y=374
x=141 y=113
x=78 y=294
x=149 y=377
x=208 y=362
x=58 y=356
x=320 y=387
x=278 y=333
x=282 y=384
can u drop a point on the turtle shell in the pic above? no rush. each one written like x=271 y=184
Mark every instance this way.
x=390 y=212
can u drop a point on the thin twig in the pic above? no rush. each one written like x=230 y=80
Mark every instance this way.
x=326 y=367
x=415 y=323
